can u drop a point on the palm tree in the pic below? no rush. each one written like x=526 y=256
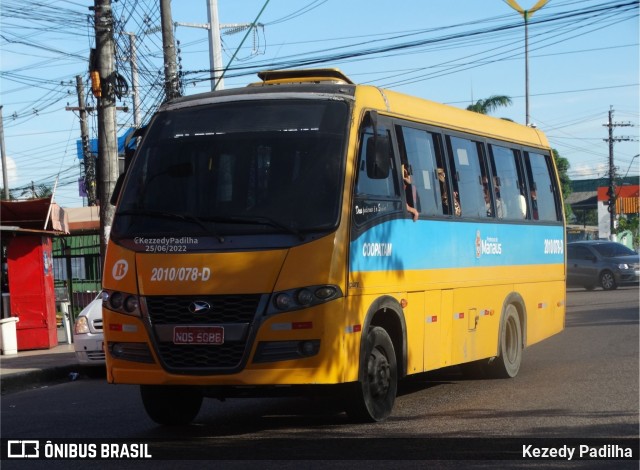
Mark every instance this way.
x=490 y=104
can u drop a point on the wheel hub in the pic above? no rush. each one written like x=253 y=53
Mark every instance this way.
x=379 y=374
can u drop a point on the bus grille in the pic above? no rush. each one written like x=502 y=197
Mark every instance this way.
x=225 y=310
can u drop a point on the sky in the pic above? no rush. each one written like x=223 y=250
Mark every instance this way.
x=583 y=62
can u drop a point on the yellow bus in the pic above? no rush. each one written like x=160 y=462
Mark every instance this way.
x=308 y=235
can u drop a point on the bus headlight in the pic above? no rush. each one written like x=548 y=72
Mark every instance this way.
x=282 y=301
x=116 y=300
x=304 y=297
x=131 y=303
x=327 y=292
x=121 y=302
x=296 y=299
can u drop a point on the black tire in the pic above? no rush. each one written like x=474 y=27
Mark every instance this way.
x=507 y=364
x=608 y=281
x=372 y=398
x=171 y=405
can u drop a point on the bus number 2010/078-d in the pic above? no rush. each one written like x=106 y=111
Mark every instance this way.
x=180 y=274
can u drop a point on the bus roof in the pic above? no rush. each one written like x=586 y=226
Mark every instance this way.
x=450 y=117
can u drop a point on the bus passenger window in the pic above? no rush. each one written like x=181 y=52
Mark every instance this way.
x=418 y=150
x=508 y=187
x=542 y=188
x=469 y=168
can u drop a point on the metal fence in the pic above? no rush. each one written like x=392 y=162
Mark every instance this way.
x=77 y=269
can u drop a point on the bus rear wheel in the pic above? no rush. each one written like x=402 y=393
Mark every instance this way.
x=372 y=398
x=171 y=405
x=507 y=364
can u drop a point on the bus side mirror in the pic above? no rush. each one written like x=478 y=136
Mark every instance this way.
x=116 y=190
x=378 y=160
x=128 y=151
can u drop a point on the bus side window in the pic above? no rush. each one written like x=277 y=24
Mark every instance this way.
x=470 y=182
x=418 y=151
x=542 y=187
x=508 y=183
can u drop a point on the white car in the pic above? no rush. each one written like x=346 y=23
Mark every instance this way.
x=88 y=339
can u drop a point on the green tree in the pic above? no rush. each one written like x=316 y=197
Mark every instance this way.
x=490 y=104
x=629 y=222
x=563 y=165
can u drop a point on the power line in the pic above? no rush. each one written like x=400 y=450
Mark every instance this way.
x=70 y=20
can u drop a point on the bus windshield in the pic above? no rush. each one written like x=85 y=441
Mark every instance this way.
x=248 y=167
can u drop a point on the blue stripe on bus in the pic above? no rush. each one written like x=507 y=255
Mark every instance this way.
x=405 y=245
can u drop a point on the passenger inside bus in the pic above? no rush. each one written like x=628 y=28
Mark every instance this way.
x=487 y=196
x=410 y=193
x=523 y=205
x=445 y=198
x=501 y=208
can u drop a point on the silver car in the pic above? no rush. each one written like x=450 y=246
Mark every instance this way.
x=601 y=263
x=88 y=339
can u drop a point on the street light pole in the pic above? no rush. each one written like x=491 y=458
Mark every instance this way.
x=634 y=157
x=526 y=14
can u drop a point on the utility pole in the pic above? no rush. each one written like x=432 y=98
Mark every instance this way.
x=89 y=162
x=215 y=46
x=611 y=192
x=171 y=85
x=5 y=176
x=107 y=139
x=215 y=43
x=90 y=176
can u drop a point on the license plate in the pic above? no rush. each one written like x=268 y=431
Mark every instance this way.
x=205 y=335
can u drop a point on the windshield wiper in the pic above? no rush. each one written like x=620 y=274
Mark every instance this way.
x=175 y=215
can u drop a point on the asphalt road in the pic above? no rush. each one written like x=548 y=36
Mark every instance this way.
x=582 y=383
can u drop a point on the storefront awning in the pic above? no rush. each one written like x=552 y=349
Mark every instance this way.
x=34 y=214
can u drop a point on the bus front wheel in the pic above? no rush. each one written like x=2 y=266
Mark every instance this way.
x=171 y=405
x=372 y=398
x=507 y=364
